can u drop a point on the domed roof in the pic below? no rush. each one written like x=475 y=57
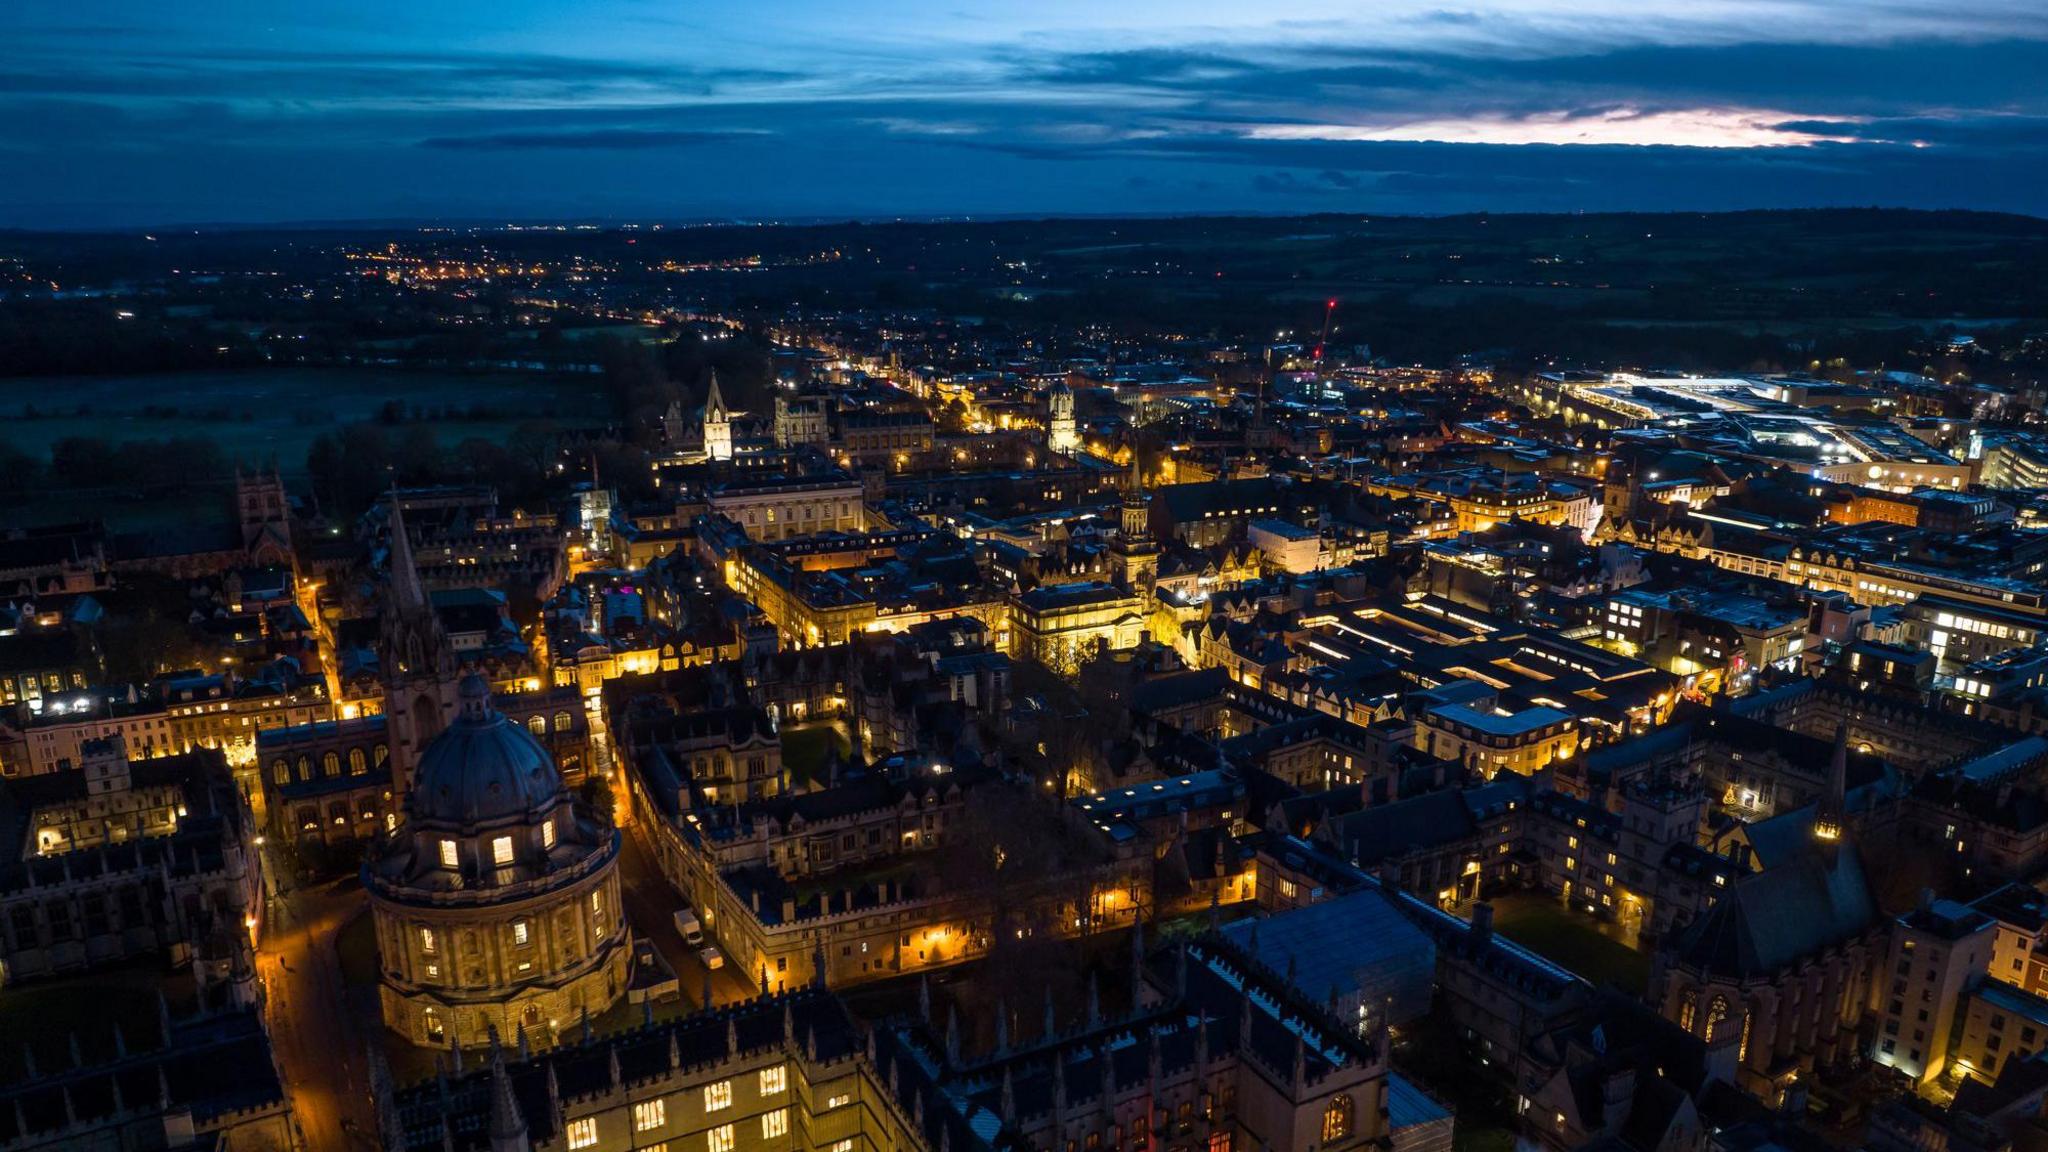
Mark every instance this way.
x=483 y=768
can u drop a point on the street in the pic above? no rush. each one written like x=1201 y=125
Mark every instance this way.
x=319 y=1046
x=650 y=906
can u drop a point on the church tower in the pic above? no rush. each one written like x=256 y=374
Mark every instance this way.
x=416 y=660
x=1136 y=554
x=264 y=512
x=717 y=423
x=1061 y=435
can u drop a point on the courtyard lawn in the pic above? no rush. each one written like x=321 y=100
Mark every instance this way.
x=45 y=1014
x=804 y=750
x=1542 y=925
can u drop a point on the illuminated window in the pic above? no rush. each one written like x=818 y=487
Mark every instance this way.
x=426 y=939
x=448 y=857
x=547 y=834
x=501 y=850
x=357 y=762
x=649 y=1114
x=718 y=1097
x=521 y=934
x=1337 y=1119
x=583 y=1133
x=842 y=1146
x=775 y=1124
x=720 y=1139
x=774 y=1080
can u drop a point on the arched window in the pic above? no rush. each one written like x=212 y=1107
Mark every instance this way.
x=330 y=764
x=563 y=722
x=280 y=772
x=1716 y=1013
x=305 y=767
x=537 y=724
x=357 y=762
x=1337 y=1119
x=1687 y=1011
x=1742 y=1050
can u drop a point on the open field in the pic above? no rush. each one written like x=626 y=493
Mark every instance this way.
x=258 y=416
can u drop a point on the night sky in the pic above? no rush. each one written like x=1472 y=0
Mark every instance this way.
x=185 y=111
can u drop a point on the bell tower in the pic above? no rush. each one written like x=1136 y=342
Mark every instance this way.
x=717 y=423
x=416 y=660
x=1137 y=556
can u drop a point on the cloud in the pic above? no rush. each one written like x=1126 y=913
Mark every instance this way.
x=1634 y=127
x=607 y=138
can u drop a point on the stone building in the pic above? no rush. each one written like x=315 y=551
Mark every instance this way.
x=1784 y=965
x=496 y=901
x=121 y=859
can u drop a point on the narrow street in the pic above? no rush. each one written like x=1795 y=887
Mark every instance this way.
x=651 y=906
x=319 y=1047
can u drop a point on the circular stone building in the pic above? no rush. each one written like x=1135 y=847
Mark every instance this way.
x=496 y=902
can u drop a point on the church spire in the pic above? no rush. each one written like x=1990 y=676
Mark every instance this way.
x=406 y=590
x=714 y=400
x=1828 y=813
x=507 y=1125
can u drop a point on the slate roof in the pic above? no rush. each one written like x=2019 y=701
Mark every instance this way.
x=1769 y=920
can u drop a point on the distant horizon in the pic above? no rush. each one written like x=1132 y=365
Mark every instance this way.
x=597 y=224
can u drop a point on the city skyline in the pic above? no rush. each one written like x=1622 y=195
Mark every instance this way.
x=116 y=116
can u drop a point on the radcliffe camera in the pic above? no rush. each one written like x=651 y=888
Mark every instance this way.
x=898 y=576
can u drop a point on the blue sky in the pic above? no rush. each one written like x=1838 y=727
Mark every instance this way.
x=117 y=112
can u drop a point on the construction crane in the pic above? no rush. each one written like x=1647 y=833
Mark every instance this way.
x=1329 y=310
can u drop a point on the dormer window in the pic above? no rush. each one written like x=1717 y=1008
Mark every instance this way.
x=501 y=850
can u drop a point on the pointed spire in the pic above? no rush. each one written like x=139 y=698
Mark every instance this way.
x=1094 y=1002
x=709 y=996
x=586 y=1024
x=953 y=1036
x=28 y=1059
x=1300 y=1060
x=924 y=999
x=507 y=1125
x=1829 y=812
x=732 y=1037
x=611 y=1052
x=1051 y=1022
x=525 y=1052
x=454 y=1052
x=1002 y=1026
x=406 y=590
x=1008 y=1104
x=675 y=1051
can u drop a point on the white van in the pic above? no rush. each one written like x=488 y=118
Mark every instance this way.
x=689 y=928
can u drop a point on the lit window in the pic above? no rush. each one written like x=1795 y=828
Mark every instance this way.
x=718 y=1097
x=842 y=1146
x=447 y=853
x=426 y=939
x=720 y=1139
x=649 y=1114
x=774 y=1080
x=838 y=1101
x=583 y=1133
x=775 y=1124
x=501 y=850
x=547 y=834
x=521 y=935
